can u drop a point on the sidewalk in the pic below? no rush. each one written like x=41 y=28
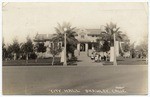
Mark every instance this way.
x=84 y=60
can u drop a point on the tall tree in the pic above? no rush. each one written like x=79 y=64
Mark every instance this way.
x=55 y=50
x=70 y=36
x=144 y=45
x=27 y=47
x=103 y=44
x=9 y=51
x=110 y=30
x=126 y=47
x=107 y=36
x=106 y=46
x=4 y=49
x=15 y=48
x=40 y=47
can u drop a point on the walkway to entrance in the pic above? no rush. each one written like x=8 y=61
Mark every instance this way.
x=84 y=60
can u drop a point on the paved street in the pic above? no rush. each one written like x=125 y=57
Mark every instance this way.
x=122 y=79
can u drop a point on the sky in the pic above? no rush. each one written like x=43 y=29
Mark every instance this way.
x=22 y=19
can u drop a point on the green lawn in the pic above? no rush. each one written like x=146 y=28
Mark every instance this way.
x=128 y=61
x=32 y=62
x=47 y=62
x=39 y=62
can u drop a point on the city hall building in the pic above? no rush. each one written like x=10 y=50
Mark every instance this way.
x=86 y=40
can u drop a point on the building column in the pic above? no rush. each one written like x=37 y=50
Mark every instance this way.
x=50 y=44
x=92 y=46
x=86 y=48
x=78 y=48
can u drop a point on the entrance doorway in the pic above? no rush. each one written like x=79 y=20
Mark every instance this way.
x=82 y=47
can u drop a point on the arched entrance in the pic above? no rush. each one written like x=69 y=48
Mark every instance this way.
x=82 y=47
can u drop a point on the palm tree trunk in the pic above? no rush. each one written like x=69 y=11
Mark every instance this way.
x=111 y=53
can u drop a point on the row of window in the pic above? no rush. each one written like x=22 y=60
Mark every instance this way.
x=52 y=44
x=83 y=36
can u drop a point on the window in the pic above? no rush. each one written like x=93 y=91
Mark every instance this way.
x=90 y=45
x=59 y=44
x=51 y=44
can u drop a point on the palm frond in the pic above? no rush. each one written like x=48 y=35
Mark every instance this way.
x=117 y=29
x=72 y=28
x=61 y=29
x=68 y=25
x=57 y=30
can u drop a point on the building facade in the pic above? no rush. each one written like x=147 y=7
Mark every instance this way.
x=87 y=40
x=86 y=37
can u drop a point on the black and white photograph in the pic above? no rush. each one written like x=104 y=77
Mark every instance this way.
x=75 y=48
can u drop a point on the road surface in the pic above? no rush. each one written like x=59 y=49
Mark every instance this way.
x=101 y=80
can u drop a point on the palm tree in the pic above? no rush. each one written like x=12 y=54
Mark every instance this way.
x=111 y=30
x=70 y=37
x=103 y=42
x=106 y=36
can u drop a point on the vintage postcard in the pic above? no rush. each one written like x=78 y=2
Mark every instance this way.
x=75 y=48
